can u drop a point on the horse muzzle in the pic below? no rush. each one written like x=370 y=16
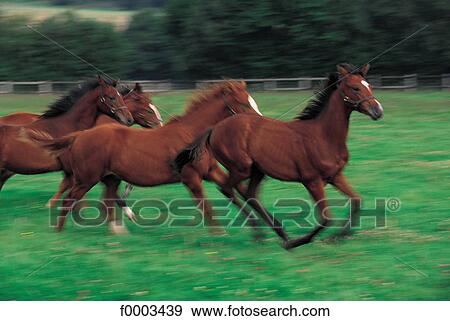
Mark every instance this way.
x=375 y=111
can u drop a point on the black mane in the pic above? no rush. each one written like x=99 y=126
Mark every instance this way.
x=317 y=104
x=65 y=103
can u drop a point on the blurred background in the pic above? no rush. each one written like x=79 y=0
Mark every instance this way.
x=193 y=39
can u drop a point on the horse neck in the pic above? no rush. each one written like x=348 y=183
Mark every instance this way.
x=83 y=114
x=103 y=119
x=334 y=121
x=207 y=114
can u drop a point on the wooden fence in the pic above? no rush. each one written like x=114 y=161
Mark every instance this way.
x=404 y=82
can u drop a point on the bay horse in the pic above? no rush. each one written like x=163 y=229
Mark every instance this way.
x=78 y=110
x=144 y=113
x=311 y=149
x=139 y=103
x=119 y=149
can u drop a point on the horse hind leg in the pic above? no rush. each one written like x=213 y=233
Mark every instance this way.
x=75 y=195
x=191 y=178
x=65 y=184
x=218 y=176
x=250 y=196
x=110 y=197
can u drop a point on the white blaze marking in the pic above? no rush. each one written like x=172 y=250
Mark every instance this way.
x=156 y=111
x=379 y=105
x=366 y=84
x=254 y=105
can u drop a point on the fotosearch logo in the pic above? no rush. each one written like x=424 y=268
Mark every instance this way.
x=183 y=213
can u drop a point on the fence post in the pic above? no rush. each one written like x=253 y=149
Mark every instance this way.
x=6 y=87
x=410 y=82
x=304 y=84
x=270 y=85
x=45 y=87
x=445 y=81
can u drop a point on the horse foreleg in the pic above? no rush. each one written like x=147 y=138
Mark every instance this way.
x=128 y=189
x=121 y=202
x=317 y=190
x=65 y=184
x=4 y=176
x=341 y=184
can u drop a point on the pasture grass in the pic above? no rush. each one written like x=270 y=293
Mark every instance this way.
x=405 y=155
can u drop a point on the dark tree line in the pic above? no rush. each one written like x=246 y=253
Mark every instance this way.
x=195 y=39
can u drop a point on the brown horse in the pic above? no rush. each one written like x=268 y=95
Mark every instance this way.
x=144 y=113
x=119 y=149
x=140 y=105
x=19 y=118
x=76 y=111
x=311 y=149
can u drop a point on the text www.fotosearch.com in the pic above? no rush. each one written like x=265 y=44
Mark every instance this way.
x=229 y=311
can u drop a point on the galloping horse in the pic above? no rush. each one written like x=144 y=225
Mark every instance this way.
x=311 y=149
x=144 y=113
x=139 y=104
x=118 y=149
x=76 y=111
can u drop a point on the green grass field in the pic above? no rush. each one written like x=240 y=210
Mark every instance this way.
x=406 y=155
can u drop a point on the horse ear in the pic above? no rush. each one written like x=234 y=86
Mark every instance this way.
x=227 y=89
x=365 y=69
x=138 y=87
x=243 y=83
x=342 y=70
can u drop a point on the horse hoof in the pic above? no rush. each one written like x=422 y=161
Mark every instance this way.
x=50 y=204
x=118 y=229
x=217 y=232
x=289 y=245
x=129 y=213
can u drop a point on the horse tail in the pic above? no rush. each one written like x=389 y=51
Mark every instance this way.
x=56 y=146
x=192 y=152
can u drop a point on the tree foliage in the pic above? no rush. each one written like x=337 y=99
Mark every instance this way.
x=194 y=39
x=27 y=56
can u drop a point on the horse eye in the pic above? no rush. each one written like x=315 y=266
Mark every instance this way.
x=355 y=88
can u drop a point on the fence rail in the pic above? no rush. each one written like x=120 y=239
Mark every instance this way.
x=404 y=82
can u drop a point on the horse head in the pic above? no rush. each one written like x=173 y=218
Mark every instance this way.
x=144 y=112
x=110 y=102
x=357 y=92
